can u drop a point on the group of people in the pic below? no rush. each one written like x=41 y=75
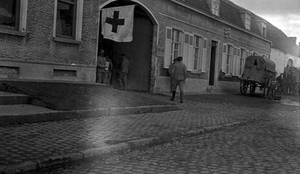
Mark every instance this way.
x=105 y=69
x=178 y=73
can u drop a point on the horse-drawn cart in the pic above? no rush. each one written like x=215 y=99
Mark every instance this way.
x=259 y=72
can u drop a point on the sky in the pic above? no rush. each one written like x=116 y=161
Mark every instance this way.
x=284 y=14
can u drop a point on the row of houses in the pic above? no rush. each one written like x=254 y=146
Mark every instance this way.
x=60 y=40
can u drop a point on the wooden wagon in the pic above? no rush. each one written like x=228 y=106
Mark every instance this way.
x=259 y=72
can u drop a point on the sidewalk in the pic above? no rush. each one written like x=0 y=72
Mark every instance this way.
x=32 y=146
x=71 y=100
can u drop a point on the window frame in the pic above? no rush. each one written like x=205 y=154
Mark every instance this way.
x=229 y=57
x=174 y=42
x=17 y=10
x=198 y=62
x=263 y=29
x=215 y=7
x=170 y=43
x=247 y=21
x=77 y=26
x=73 y=21
x=19 y=28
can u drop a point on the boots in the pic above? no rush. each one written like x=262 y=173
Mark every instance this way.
x=173 y=95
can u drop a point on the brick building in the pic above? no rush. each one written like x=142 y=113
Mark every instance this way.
x=60 y=39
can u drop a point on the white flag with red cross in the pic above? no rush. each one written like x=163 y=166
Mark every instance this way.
x=117 y=23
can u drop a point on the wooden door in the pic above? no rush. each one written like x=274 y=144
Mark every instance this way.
x=139 y=53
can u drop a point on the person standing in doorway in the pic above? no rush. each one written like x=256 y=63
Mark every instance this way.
x=101 y=65
x=109 y=70
x=179 y=75
x=124 y=70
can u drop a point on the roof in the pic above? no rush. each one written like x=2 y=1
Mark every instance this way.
x=280 y=40
x=229 y=12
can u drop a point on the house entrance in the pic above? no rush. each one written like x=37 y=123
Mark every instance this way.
x=212 y=63
x=138 y=51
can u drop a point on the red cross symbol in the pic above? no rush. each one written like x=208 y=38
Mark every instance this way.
x=115 y=21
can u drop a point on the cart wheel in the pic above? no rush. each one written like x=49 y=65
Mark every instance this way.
x=266 y=87
x=252 y=88
x=243 y=87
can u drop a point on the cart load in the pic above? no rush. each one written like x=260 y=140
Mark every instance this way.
x=258 y=69
x=258 y=72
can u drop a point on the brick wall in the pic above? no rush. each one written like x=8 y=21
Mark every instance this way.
x=38 y=43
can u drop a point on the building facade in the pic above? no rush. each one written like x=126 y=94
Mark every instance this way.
x=60 y=40
x=41 y=39
x=284 y=51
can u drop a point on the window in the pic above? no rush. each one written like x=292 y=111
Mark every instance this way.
x=228 y=58
x=68 y=22
x=215 y=7
x=13 y=14
x=66 y=15
x=176 y=42
x=247 y=21
x=197 y=52
x=173 y=45
x=188 y=52
x=264 y=29
x=264 y=32
x=9 y=14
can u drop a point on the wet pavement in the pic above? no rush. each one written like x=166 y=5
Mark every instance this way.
x=32 y=142
x=263 y=147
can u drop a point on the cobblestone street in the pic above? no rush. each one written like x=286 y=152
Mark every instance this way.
x=268 y=143
x=260 y=147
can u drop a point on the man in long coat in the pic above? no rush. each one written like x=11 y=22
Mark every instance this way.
x=179 y=75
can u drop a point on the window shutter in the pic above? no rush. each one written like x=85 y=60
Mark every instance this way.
x=231 y=60
x=79 y=20
x=238 y=61
x=244 y=56
x=224 y=54
x=168 y=48
x=203 y=63
x=23 y=15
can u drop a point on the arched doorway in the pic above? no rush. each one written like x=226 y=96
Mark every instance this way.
x=139 y=51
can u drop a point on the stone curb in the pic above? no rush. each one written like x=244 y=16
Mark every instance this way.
x=77 y=114
x=101 y=151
